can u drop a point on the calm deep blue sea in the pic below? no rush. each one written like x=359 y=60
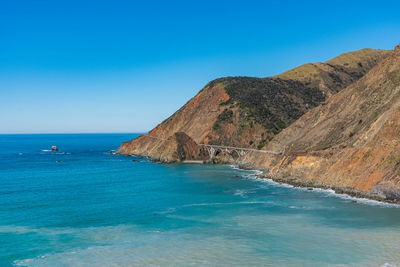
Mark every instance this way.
x=81 y=206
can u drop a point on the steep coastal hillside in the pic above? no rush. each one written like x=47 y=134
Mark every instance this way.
x=351 y=141
x=249 y=112
x=337 y=73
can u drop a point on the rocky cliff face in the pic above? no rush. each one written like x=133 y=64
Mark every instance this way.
x=337 y=124
x=352 y=140
x=249 y=112
x=177 y=148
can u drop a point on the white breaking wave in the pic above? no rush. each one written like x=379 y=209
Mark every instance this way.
x=227 y=203
x=242 y=193
x=329 y=192
x=332 y=193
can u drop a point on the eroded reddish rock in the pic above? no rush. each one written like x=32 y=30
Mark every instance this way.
x=177 y=148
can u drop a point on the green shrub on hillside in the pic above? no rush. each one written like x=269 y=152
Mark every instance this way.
x=225 y=117
x=271 y=102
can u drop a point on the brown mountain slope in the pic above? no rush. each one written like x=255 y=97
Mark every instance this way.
x=351 y=141
x=337 y=73
x=249 y=112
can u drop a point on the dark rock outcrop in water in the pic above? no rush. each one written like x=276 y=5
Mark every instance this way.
x=337 y=124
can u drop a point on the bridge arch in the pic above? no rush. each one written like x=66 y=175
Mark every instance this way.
x=235 y=154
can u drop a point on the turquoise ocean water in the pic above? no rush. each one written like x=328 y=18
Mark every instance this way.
x=82 y=206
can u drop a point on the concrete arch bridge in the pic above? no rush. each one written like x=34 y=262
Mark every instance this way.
x=214 y=150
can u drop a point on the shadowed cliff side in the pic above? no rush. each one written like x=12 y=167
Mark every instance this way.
x=350 y=141
x=177 y=148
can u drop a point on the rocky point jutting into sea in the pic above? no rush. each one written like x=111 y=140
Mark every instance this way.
x=332 y=125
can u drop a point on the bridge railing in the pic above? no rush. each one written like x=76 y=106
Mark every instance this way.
x=242 y=148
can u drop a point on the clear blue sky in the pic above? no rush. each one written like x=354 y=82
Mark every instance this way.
x=124 y=66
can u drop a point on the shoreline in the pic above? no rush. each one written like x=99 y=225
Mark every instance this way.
x=354 y=194
x=310 y=185
x=337 y=190
x=351 y=192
